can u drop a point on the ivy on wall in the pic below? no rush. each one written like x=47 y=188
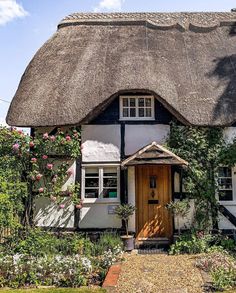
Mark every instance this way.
x=205 y=149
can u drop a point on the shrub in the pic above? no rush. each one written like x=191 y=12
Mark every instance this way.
x=108 y=241
x=191 y=243
x=223 y=279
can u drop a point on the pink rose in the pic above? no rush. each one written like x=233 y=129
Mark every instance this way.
x=41 y=190
x=61 y=206
x=44 y=157
x=31 y=144
x=49 y=166
x=45 y=135
x=68 y=138
x=33 y=160
x=53 y=198
x=39 y=176
x=52 y=138
x=78 y=206
x=20 y=131
x=15 y=147
x=69 y=172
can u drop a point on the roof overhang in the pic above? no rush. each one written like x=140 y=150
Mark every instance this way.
x=153 y=154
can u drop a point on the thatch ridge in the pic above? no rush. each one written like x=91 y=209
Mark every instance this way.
x=76 y=73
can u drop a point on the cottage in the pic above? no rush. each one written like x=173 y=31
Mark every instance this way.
x=122 y=78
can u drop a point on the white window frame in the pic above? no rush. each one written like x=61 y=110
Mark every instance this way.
x=233 y=201
x=136 y=108
x=100 y=170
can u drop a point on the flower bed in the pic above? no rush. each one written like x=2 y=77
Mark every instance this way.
x=67 y=261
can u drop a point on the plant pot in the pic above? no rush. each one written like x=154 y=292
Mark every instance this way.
x=128 y=242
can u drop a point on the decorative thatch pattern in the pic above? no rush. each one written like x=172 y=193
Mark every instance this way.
x=188 y=61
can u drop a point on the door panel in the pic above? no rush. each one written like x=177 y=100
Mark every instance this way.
x=153 y=193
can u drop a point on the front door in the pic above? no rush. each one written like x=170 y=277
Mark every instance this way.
x=153 y=188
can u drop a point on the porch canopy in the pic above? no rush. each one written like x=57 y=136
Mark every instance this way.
x=153 y=154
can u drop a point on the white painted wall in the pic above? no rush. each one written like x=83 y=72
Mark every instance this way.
x=131 y=195
x=230 y=134
x=101 y=143
x=48 y=214
x=95 y=215
x=138 y=136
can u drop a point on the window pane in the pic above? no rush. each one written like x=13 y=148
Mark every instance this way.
x=226 y=195
x=110 y=182
x=225 y=183
x=110 y=193
x=125 y=112
x=132 y=112
x=110 y=172
x=91 y=182
x=91 y=193
x=141 y=102
x=132 y=102
x=148 y=102
x=141 y=112
x=125 y=102
x=225 y=172
x=148 y=112
x=91 y=172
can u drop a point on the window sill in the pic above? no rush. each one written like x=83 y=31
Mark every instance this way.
x=101 y=200
x=137 y=119
x=228 y=203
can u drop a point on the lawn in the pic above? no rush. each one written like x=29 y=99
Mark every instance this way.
x=53 y=290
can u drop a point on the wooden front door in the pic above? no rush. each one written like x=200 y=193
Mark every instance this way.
x=153 y=186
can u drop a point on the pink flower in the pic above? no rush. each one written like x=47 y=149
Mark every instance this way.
x=32 y=177
x=20 y=131
x=49 y=166
x=39 y=176
x=68 y=138
x=69 y=172
x=41 y=190
x=45 y=135
x=52 y=138
x=15 y=147
x=78 y=206
x=31 y=144
x=44 y=157
x=53 y=198
x=33 y=160
x=61 y=206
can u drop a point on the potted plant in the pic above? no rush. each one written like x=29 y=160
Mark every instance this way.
x=124 y=212
x=180 y=209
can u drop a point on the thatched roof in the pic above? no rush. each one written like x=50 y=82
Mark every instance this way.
x=188 y=60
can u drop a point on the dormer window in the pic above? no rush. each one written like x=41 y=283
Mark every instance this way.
x=136 y=108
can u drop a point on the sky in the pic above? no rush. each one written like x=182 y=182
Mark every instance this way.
x=26 y=24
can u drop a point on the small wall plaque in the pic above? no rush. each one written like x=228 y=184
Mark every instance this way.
x=111 y=209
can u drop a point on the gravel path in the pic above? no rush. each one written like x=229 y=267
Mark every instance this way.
x=159 y=273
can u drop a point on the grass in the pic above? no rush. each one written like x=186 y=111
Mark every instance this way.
x=53 y=290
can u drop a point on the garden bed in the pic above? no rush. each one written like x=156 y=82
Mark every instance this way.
x=43 y=259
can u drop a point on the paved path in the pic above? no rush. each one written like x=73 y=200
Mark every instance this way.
x=158 y=273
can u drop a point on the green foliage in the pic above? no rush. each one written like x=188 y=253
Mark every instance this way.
x=124 y=212
x=191 y=244
x=107 y=241
x=223 y=279
x=205 y=150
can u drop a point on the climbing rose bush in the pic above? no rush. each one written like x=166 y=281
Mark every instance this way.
x=42 y=163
